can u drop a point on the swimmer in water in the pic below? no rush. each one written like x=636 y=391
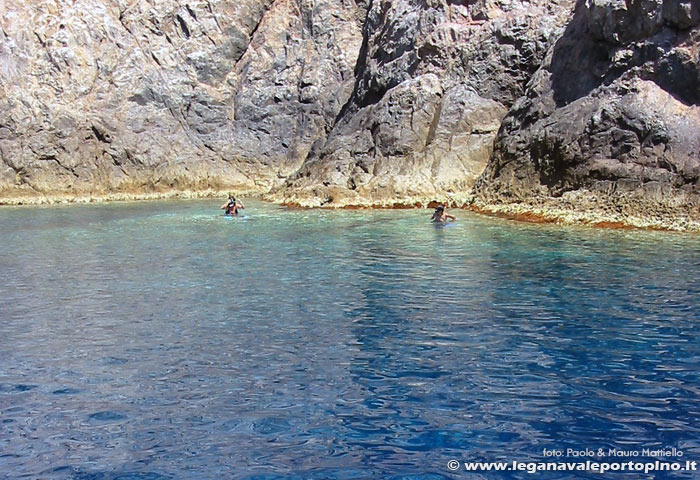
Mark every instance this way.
x=232 y=206
x=441 y=216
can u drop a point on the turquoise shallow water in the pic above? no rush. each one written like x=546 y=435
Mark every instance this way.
x=163 y=340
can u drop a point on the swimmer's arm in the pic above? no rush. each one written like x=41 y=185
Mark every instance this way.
x=451 y=218
x=224 y=205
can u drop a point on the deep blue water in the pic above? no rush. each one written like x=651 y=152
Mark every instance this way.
x=164 y=341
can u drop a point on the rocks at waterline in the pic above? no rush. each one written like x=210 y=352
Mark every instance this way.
x=340 y=102
x=434 y=79
x=609 y=128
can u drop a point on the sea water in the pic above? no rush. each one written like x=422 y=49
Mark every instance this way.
x=164 y=340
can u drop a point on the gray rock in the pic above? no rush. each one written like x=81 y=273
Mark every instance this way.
x=340 y=102
x=621 y=142
x=106 y=97
x=433 y=81
x=682 y=14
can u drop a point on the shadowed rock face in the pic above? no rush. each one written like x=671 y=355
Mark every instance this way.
x=610 y=124
x=140 y=96
x=433 y=81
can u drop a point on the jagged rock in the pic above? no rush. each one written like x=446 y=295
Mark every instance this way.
x=433 y=81
x=682 y=13
x=610 y=126
x=101 y=97
x=622 y=21
x=352 y=102
x=418 y=141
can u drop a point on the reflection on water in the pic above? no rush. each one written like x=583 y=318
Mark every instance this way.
x=163 y=340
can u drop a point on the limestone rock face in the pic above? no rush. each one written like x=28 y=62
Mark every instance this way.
x=433 y=81
x=609 y=127
x=98 y=97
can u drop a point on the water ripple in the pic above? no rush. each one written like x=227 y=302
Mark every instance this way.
x=161 y=340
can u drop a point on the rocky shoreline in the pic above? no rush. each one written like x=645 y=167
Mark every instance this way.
x=571 y=111
x=599 y=218
x=67 y=198
x=547 y=212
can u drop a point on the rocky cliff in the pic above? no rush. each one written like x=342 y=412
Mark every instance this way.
x=434 y=79
x=609 y=127
x=578 y=110
x=322 y=101
x=128 y=98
